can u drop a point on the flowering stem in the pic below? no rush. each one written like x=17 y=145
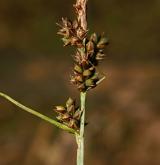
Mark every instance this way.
x=80 y=137
x=82 y=18
x=33 y=112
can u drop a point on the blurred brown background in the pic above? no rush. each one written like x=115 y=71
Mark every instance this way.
x=123 y=112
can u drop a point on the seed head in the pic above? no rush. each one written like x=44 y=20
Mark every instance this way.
x=69 y=114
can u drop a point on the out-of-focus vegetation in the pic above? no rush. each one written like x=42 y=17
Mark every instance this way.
x=123 y=112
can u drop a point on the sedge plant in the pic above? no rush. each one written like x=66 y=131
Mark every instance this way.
x=89 y=51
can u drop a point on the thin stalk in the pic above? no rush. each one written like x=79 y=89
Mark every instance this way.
x=81 y=6
x=80 y=137
x=35 y=113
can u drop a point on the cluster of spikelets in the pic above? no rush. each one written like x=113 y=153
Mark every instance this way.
x=73 y=34
x=69 y=114
x=88 y=53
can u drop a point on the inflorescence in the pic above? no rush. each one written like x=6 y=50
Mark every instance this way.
x=89 y=52
x=69 y=114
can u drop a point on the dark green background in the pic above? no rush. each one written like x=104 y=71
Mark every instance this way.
x=123 y=112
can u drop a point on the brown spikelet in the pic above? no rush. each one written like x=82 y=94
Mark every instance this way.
x=69 y=114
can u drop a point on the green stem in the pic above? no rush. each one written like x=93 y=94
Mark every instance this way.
x=80 y=137
x=33 y=112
